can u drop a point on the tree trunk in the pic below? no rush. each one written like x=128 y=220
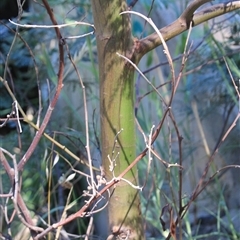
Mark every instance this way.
x=113 y=34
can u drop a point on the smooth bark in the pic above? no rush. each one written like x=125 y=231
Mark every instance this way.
x=113 y=34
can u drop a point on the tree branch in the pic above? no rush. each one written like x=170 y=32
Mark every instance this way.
x=147 y=44
x=53 y=103
x=188 y=13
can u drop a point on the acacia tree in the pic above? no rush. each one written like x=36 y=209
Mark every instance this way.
x=114 y=35
x=117 y=51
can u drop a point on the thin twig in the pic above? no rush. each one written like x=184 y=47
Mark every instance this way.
x=89 y=228
x=86 y=122
x=52 y=26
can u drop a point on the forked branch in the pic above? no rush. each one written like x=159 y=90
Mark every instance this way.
x=147 y=44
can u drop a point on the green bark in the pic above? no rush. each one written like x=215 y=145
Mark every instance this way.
x=113 y=34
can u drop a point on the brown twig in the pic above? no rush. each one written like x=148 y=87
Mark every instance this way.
x=82 y=211
x=47 y=117
x=8 y=169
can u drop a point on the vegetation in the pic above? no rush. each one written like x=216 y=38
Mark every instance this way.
x=83 y=168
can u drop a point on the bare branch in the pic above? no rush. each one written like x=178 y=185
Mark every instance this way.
x=4 y=162
x=182 y=24
x=47 y=117
x=188 y=13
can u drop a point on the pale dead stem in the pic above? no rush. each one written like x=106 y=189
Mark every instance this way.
x=86 y=122
x=59 y=26
x=51 y=26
